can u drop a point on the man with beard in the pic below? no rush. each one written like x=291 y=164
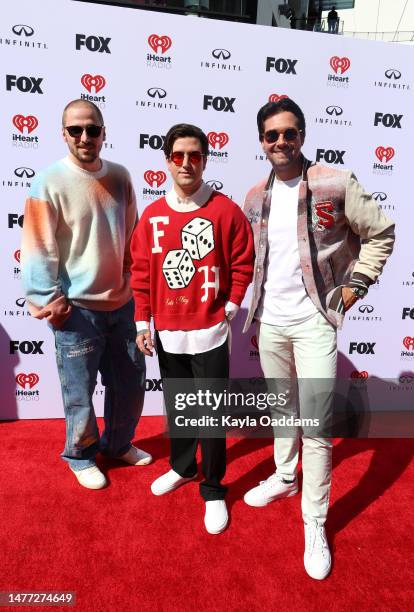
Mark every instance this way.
x=320 y=242
x=79 y=219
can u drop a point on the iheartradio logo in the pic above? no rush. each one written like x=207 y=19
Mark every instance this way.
x=340 y=64
x=89 y=82
x=408 y=342
x=356 y=374
x=275 y=97
x=384 y=154
x=16 y=255
x=155 y=179
x=159 y=44
x=27 y=379
x=219 y=139
x=30 y=123
x=253 y=340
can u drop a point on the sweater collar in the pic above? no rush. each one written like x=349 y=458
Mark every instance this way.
x=193 y=202
x=96 y=175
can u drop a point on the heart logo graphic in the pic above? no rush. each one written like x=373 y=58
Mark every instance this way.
x=159 y=43
x=17 y=255
x=384 y=154
x=275 y=97
x=409 y=343
x=30 y=122
x=339 y=64
x=27 y=379
x=253 y=340
x=89 y=81
x=219 y=139
x=356 y=374
x=155 y=178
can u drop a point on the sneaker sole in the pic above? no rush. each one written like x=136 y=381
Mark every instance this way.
x=91 y=487
x=262 y=505
x=174 y=487
x=145 y=461
x=218 y=530
x=319 y=576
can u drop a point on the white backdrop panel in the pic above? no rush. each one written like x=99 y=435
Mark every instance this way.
x=141 y=97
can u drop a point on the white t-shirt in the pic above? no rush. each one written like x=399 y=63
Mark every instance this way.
x=284 y=300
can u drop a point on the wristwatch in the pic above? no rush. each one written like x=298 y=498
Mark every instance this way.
x=359 y=292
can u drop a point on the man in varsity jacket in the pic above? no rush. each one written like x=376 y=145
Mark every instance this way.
x=192 y=255
x=320 y=242
x=78 y=223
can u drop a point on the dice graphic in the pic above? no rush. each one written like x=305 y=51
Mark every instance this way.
x=198 y=237
x=178 y=268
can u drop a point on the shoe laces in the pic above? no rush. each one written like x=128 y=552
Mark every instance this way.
x=271 y=480
x=316 y=538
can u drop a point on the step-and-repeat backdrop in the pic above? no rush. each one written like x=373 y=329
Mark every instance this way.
x=147 y=71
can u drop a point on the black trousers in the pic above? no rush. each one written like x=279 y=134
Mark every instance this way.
x=212 y=364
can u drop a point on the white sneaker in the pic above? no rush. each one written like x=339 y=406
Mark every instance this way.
x=168 y=482
x=216 y=517
x=269 y=490
x=317 y=557
x=91 y=478
x=136 y=456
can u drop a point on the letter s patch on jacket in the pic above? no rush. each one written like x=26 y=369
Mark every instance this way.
x=322 y=217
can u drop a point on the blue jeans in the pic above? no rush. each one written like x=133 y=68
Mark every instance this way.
x=104 y=341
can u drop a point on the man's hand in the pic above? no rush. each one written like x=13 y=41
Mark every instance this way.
x=230 y=310
x=58 y=312
x=145 y=343
x=348 y=297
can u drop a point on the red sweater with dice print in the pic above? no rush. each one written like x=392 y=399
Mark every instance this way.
x=187 y=265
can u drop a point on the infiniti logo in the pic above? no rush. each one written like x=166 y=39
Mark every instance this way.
x=21 y=302
x=392 y=73
x=379 y=196
x=27 y=172
x=221 y=54
x=366 y=308
x=334 y=110
x=156 y=92
x=23 y=29
x=406 y=378
x=214 y=184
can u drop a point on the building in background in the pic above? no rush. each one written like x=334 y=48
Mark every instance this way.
x=387 y=20
x=390 y=21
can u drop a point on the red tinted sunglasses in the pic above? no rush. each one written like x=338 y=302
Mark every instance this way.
x=195 y=157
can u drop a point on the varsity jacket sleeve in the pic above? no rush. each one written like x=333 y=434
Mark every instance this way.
x=375 y=230
x=131 y=219
x=40 y=259
x=242 y=257
x=140 y=270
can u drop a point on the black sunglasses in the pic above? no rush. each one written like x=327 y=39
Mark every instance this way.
x=92 y=131
x=289 y=135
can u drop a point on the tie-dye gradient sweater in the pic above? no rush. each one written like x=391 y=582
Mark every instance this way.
x=76 y=237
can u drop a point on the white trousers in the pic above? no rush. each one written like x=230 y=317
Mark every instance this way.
x=302 y=357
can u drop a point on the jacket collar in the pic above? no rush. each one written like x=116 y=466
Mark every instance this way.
x=305 y=167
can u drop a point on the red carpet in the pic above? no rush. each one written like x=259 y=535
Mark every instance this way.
x=123 y=549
